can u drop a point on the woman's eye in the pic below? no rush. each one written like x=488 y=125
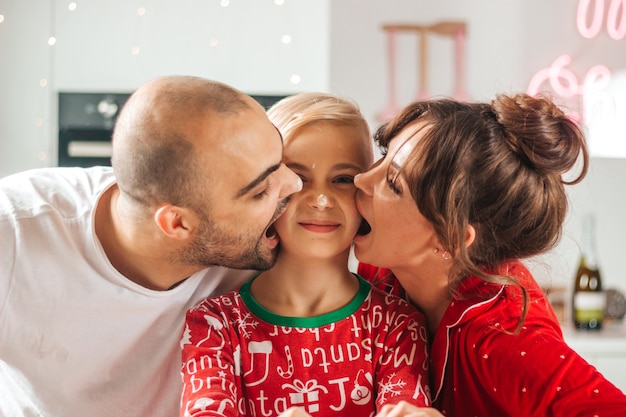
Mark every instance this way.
x=391 y=182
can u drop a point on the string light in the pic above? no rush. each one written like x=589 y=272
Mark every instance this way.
x=286 y=39
x=224 y=3
x=279 y=2
x=135 y=50
x=52 y=40
x=71 y=7
x=295 y=79
x=1 y=18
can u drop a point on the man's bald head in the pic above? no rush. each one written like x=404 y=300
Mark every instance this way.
x=156 y=136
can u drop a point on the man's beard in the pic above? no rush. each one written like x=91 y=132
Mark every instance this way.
x=213 y=246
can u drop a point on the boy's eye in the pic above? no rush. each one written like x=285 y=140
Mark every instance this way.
x=344 y=179
x=303 y=177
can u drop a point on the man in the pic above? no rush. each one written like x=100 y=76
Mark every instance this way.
x=99 y=265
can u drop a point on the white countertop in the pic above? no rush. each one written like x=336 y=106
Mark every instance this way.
x=610 y=340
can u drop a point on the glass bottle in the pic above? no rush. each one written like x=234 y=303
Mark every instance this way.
x=588 y=300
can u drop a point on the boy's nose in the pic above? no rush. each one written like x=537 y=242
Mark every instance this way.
x=320 y=201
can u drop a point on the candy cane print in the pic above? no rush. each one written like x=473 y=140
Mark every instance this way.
x=290 y=368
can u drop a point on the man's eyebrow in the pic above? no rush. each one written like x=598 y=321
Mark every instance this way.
x=245 y=190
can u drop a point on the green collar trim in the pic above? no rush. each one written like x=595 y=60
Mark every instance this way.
x=305 y=322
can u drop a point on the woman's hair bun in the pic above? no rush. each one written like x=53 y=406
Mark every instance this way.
x=539 y=132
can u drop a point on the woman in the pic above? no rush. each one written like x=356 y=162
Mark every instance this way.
x=463 y=192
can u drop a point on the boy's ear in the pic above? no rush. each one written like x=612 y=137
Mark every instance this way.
x=470 y=235
x=176 y=222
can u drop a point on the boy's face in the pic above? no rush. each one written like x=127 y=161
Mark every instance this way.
x=322 y=219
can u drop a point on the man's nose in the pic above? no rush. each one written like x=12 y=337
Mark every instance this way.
x=290 y=182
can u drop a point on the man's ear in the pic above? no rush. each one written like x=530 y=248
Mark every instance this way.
x=176 y=222
x=470 y=235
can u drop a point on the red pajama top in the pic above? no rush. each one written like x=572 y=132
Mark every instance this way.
x=478 y=369
x=242 y=360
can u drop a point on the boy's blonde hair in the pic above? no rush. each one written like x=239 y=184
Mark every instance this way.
x=293 y=113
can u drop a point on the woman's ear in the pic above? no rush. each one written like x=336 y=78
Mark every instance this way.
x=175 y=222
x=470 y=235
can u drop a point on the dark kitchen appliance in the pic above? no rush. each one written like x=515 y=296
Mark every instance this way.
x=85 y=127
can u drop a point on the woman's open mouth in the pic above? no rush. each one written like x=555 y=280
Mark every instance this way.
x=364 y=229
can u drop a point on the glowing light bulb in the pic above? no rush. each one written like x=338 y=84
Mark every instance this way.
x=141 y=11
x=135 y=50
x=52 y=40
x=295 y=79
x=72 y=6
x=43 y=82
x=1 y=18
x=286 y=39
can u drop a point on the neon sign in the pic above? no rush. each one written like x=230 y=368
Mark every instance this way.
x=601 y=107
x=565 y=84
x=615 y=20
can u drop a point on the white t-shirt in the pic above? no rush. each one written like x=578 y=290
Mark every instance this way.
x=78 y=339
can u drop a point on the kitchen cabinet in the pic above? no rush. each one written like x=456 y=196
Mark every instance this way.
x=605 y=349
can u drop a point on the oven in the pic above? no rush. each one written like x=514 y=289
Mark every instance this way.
x=85 y=127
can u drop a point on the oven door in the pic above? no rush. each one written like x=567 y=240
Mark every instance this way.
x=84 y=147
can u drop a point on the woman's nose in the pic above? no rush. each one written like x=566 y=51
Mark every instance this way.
x=362 y=182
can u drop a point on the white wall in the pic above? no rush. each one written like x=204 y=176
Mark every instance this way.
x=336 y=45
